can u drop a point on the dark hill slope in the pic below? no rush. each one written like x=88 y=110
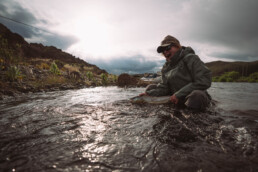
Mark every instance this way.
x=244 y=68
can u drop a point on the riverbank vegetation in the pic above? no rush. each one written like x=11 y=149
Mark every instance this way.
x=235 y=76
x=219 y=68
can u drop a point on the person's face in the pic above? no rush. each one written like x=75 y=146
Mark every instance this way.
x=169 y=53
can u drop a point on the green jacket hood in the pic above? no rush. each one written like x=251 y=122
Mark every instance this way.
x=187 y=50
x=182 y=52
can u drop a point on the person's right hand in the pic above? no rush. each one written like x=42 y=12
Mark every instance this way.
x=143 y=94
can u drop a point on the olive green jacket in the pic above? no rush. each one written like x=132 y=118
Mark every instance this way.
x=183 y=74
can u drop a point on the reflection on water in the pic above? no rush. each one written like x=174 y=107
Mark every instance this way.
x=97 y=129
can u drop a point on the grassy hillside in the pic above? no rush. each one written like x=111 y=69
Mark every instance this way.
x=32 y=67
x=244 y=68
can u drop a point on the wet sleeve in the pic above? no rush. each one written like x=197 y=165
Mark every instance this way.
x=201 y=76
x=161 y=90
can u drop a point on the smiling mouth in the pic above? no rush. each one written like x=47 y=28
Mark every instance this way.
x=168 y=56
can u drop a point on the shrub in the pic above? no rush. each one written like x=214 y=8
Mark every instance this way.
x=223 y=78
x=89 y=75
x=114 y=78
x=254 y=76
x=95 y=82
x=233 y=74
x=235 y=77
x=13 y=73
x=54 y=69
x=230 y=80
x=59 y=63
x=215 y=79
x=104 y=78
x=242 y=79
x=251 y=80
x=227 y=77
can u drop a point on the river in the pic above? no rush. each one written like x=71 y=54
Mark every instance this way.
x=98 y=129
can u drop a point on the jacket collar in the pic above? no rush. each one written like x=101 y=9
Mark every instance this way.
x=177 y=57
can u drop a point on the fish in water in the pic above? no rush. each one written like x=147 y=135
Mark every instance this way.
x=150 y=99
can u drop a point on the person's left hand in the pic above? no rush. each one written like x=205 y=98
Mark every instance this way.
x=174 y=99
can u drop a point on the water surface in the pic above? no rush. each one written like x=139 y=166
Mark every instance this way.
x=98 y=129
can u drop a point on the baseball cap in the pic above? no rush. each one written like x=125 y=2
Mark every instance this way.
x=168 y=40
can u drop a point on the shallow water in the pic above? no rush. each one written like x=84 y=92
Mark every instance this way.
x=98 y=129
x=235 y=96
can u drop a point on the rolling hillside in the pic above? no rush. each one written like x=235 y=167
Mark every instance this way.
x=244 y=68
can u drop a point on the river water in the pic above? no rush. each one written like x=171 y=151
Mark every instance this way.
x=98 y=129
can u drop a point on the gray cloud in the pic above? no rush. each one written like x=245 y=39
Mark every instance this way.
x=234 y=56
x=230 y=23
x=133 y=64
x=15 y=11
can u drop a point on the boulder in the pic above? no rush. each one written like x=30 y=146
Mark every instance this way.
x=126 y=80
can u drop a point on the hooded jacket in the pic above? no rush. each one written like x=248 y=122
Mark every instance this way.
x=184 y=73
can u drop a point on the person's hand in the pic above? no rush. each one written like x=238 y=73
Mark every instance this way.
x=143 y=94
x=174 y=99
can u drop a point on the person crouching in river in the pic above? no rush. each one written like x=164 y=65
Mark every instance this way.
x=184 y=76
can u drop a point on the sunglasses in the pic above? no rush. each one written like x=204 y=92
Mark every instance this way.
x=167 y=48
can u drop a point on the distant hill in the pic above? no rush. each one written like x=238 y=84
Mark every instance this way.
x=244 y=68
x=35 y=50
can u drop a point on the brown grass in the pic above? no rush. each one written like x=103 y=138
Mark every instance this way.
x=43 y=66
x=71 y=68
x=88 y=68
x=50 y=80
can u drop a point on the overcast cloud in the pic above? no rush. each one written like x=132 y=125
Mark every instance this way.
x=133 y=65
x=15 y=11
x=122 y=36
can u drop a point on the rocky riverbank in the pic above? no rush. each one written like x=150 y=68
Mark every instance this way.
x=32 y=79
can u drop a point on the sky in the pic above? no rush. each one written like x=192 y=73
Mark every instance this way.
x=121 y=36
